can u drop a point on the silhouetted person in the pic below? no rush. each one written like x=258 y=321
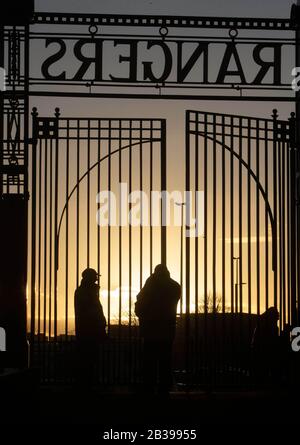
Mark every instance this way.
x=156 y=309
x=90 y=325
x=266 y=347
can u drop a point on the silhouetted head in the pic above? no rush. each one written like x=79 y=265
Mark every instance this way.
x=161 y=271
x=271 y=314
x=90 y=276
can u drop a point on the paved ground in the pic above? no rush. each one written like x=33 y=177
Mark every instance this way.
x=92 y=414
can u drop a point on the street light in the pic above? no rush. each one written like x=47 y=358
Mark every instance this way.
x=236 y=258
x=237 y=284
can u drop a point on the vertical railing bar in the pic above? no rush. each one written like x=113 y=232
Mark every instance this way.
x=77 y=200
x=223 y=228
x=249 y=244
x=205 y=217
x=240 y=231
x=280 y=200
x=18 y=55
x=141 y=228
x=19 y=136
x=249 y=225
x=141 y=200
x=88 y=192
x=163 y=184
x=44 y=367
x=40 y=238
x=266 y=214
x=45 y=234
x=121 y=204
x=33 y=238
x=274 y=234
x=109 y=233
x=98 y=190
x=196 y=213
x=98 y=224
x=223 y=179
x=8 y=143
x=284 y=200
x=214 y=225
x=187 y=243
x=240 y=219
x=109 y=251
x=233 y=302
x=205 y=178
x=257 y=217
x=284 y=293
x=56 y=220
x=67 y=227
x=50 y=233
x=214 y=244
x=196 y=351
x=232 y=210
x=151 y=187
x=289 y=246
x=130 y=247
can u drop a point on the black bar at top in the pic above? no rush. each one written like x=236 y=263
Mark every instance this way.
x=162 y=21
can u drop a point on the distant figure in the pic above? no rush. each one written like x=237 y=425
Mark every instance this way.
x=90 y=325
x=156 y=307
x=266 y=347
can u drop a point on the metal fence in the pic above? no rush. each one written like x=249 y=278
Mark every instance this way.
x=72 y=161
x=231 y=271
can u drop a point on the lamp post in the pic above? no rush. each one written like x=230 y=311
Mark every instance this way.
x=236 y=259
x=236 y=287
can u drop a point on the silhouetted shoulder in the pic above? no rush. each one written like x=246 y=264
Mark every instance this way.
x=175 y=287
x=175 y=284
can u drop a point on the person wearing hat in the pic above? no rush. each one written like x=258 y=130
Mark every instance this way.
x=156 y=308
x=90 y=325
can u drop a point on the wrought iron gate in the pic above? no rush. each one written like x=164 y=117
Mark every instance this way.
x=240 y=265
x=72 y=161
x=246 y=259
x=237 y=268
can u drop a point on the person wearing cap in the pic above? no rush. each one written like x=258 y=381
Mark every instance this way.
x=90 y=324
x=156 y=308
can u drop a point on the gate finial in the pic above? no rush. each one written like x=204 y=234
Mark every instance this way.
x=34 y=112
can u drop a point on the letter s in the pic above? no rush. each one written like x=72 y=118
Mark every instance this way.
x=296 y=341
x=54 y=58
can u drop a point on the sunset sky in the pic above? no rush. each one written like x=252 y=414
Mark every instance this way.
x=174 y=113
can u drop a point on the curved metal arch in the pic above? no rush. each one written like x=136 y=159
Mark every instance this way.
x=80 y=180
x=261 y=189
